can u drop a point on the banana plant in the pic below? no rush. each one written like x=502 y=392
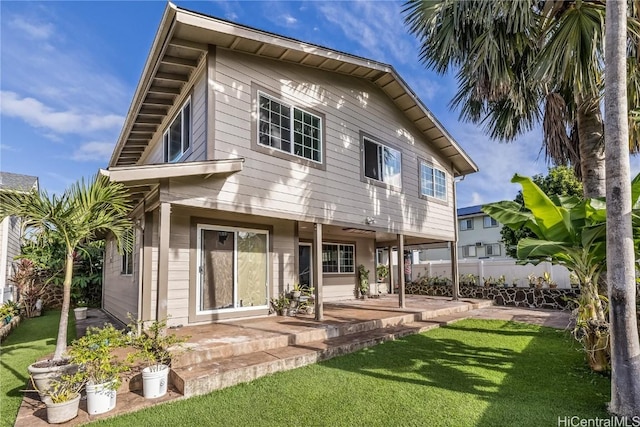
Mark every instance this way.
x=569 y=231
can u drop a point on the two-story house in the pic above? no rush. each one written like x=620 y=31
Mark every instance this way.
x=257 y=162
x=10 y=232
x=478 y=237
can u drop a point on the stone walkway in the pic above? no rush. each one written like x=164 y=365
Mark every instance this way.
x=224 y=354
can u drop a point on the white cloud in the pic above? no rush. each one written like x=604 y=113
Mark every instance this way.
x=498 y=162
x=289 y=20
x=93 y=151
x=6 y=147
x=40 y=115
x=32 y=29
x=375 y=26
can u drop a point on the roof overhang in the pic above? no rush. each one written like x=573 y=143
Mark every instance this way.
x=183 y=40
x=140 y=180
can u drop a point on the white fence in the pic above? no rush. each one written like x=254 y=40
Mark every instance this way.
x=485 y=268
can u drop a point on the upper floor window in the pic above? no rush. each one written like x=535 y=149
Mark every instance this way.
x=289 y=129
x=490 y=222
x=382 y=163
x=466 y=224
x=338 y=258
x=177 y=138
x=433 y=182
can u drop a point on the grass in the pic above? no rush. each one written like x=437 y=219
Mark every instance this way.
x=473 y=373
x=32 y=339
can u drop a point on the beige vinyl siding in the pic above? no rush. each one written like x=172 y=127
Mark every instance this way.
x=342 y=286
x=154 y=154
x=278 y=187
x=120 y=292
x=282 y=260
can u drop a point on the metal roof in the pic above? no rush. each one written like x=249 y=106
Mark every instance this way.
x=183 y=40
x=17 y=182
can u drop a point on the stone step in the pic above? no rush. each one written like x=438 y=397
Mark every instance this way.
x=203 y=378
x=251 y=337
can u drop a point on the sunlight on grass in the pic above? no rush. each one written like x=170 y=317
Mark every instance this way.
x=33 y=339
x=473 y=373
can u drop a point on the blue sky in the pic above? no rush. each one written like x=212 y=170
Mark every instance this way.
x=68 y=71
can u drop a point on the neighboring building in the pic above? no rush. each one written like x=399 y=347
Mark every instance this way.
x=10 y=232
x=257 y=161
x=478 y=237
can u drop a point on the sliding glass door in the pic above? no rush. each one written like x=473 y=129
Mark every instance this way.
x=233 y=272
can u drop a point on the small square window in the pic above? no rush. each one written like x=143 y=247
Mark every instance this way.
x=382 y=163
x=433 y=182
x=466 y=224
x=490 y=222
x=469 y=251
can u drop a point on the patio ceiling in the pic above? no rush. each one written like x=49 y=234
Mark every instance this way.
x=182 y=42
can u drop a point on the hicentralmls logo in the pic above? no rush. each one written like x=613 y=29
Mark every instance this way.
x=569 y=421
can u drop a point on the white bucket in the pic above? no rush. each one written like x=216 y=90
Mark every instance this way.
x=154 y=383
x=101 y=398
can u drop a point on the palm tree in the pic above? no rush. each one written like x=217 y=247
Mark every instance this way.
x=521 y=63
x=84 y=212
x=625 y=346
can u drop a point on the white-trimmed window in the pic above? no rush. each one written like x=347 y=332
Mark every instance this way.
x=382 y=163
x=338 y=258
x=289 y=129
x=433 y=181
x=469 y=251
x=466 y=224
x=492 y=249
x=176 y=140
x=489 y=222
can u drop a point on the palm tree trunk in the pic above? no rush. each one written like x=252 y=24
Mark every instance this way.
x=625 y=345
x=61 y=344
x=591 y=147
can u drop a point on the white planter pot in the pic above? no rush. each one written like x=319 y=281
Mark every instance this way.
x=80 y=313
x=58 y=413
x=42 y=377
x=154 y=383
x=101 y=398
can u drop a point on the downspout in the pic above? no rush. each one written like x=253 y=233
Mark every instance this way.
x=454 y=245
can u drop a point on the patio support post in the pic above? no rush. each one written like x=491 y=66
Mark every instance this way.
x=391 y=274
x=163 y=259
x=454 y=271
x=454 y=247
x=147 y=266
x=317 y=269
x=401 y=271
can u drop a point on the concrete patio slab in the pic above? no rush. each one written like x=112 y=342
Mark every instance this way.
x=224 y=354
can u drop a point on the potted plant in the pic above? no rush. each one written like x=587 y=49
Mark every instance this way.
x=80 y=312
x=99 y=366
x=280 y=304
x=62 y=398
x=363 y=280
x=382 y=270
x=155 y=348
x=297 y=291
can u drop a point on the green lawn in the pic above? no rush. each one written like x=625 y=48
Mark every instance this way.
x=32 y=339
x=473 y=373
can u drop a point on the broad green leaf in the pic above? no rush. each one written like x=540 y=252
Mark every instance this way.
x=510 y=213
x=536 y=248
x=635 y=192
x=554 y=221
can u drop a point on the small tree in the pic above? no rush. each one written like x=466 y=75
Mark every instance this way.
x=83 y=213
x=569 y=231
